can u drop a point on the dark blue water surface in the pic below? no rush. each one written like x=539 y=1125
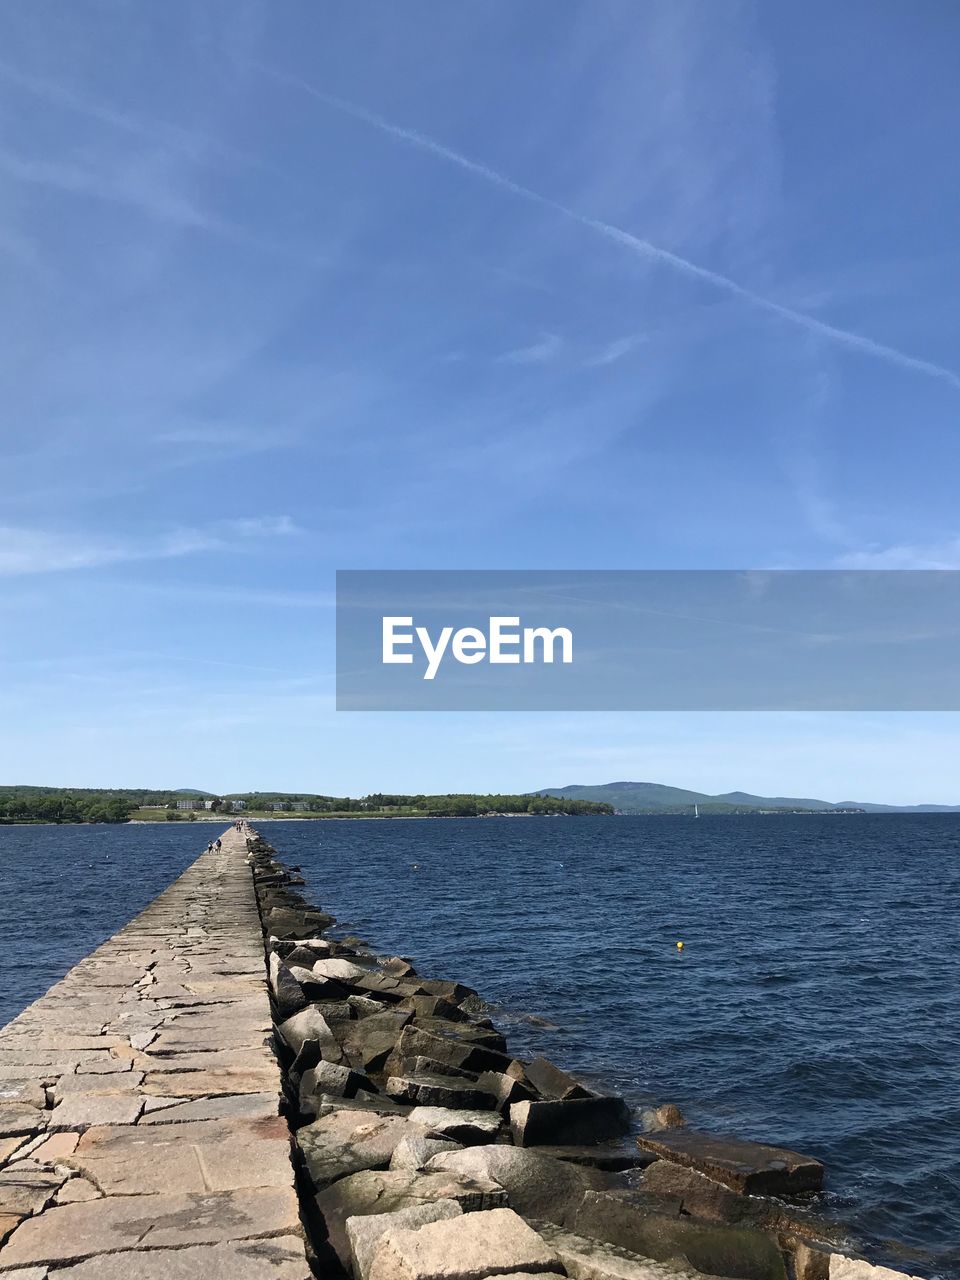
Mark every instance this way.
x=63 y=890
x=816 y=1002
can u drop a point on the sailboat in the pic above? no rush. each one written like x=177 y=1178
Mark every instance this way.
x=696 y=811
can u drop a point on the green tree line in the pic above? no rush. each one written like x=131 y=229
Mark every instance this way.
x=50 y=804
x=64 y=807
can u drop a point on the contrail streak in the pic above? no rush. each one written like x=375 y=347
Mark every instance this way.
x=642 y=248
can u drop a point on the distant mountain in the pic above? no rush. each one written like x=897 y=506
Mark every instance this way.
x=653 y=797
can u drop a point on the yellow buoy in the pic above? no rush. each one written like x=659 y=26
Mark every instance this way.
x=679 y=946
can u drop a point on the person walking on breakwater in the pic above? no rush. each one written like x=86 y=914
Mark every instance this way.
x=217 y=844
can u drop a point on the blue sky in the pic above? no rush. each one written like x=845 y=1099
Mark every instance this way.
x=614 y=285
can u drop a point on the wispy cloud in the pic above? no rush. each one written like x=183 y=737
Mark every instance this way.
x=933 y=555
x=541 y=352
x=616 y=350
x=129 y=188
x=617 y=235
x=147 y=186
x=192 y=142
x=30 y=551
x=254 y=596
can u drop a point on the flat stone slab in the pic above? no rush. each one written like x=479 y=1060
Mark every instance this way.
x=251 y=1106
x=99 y=1083
x=72 y=1232
x=205 y=1155
x=205 y=1084
x=80 y=1111
x=461 y=1126
x=278 y=1258
x=748 y=1167
x=365 y=1233
x=385 y=1192
x=164 y=1156
x=470 y=1247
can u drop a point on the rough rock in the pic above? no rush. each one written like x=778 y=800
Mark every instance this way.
x=622 y=1218
x=844 y=1268
x=328 y=1078
x=504 y=1089
x=413 y=1153
x=371 y=1104
x=56 y=1148
x=586 y=1259
x=364 y=1006
x=420 y=1066
x=16 y=1120
x=368 y=1042
x=536 y=1185
x=384 y=1192
x=454 y=991
x=341 y=970
x=697 y=1194
x=468 y=1248
x=307 y=953
x=26 y=1192
x=666 y=1116
x=424 y=1006
x=574 y=1120
x=310 y=1024
x=77 y=1191
x=467 y=1127
x=551 y=1082
x=26 y=1092
x=748 y=1167
x=438 y=1091
x=287 y=922
x=611 y=1157
x=383 y=987
x=810 y=1262
x=364 y=1233
x=478 y=1031
x=287 y=993
x=345 y=1142
x=451 y=1050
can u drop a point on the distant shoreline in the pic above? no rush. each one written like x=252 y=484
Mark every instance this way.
x=471 y=817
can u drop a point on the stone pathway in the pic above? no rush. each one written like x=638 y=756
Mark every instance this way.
x=140 y=1135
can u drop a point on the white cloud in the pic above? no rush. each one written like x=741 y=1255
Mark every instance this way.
x=636 y=245
x=29 y=551
x=541 y=352
x=616 y=350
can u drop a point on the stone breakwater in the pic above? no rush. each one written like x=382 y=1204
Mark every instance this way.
x=140 y=1128
x=226 y=1091
x=426 y=1151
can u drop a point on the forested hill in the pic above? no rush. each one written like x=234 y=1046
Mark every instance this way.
x=53 y=804
x=654 y=797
